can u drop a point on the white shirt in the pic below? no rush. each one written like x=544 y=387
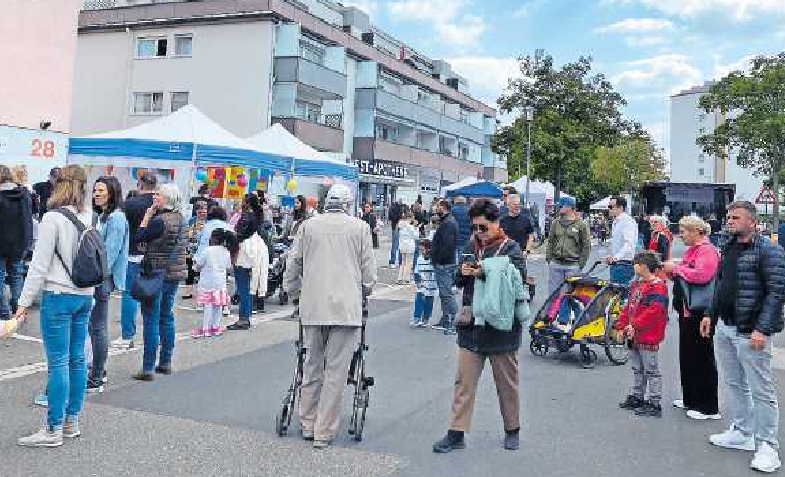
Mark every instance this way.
x=624 y=237
x=212 y=266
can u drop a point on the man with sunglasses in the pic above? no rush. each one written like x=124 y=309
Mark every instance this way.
x=624 y=237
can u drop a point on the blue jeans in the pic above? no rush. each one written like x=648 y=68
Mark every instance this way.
x=445 y=278
x=423 y=308
x=394 y=256
x=242 y=279
x=16 y=266
x=99 y=328
x=158 y=315
x=129 y=306
x=64 y=320
x=622 y=273
x=748 y=375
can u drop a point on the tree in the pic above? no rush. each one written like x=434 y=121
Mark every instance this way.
x=575 y=111
x=628 y=164
x=753 y=106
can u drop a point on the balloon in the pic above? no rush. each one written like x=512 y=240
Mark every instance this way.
x=291 y=185
x=201 y=175
x=242 y=181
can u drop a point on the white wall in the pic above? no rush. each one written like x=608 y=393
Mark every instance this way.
x=227 y=77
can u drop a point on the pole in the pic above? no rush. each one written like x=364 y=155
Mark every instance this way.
x=528 y=160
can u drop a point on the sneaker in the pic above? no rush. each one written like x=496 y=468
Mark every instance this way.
x=422 y=324
x=649 y=409
x=450 y=442
x=142 y=376
x=449 y=331
x=632 y=403
x=199 y=333
x=766 y=459
x=733 y=439
x=163 y=369
x=438 y=326
x=512 y=441
x=216 y=331
x=679 y=403
x=699 y=416
x=393 y=267
x=46 y=437
x=322 y=444
x=104 y=378
x=239 y=325
x=226 y=311
x=94 y=386
x=121 y=343
x=307 y=435
x=71 y=427
x=41 y=400
x=414 y=324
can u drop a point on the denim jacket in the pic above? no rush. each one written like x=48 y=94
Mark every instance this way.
x=115 y=234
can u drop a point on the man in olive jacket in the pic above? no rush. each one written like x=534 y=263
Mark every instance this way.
x=747 y=311
x=569 y=245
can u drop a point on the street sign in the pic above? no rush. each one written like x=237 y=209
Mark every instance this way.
x=765 y=196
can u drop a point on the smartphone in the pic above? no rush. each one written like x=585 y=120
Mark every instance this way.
x=468 y=258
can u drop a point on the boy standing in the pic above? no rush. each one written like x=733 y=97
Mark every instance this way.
x=643 y=320
x=425 y=282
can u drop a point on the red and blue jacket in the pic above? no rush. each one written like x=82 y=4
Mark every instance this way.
x=647 y=311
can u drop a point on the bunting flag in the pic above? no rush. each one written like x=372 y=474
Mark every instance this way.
x=216 y=179
x=234 y=190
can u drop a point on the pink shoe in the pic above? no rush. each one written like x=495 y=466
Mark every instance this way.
x=216 y=331
x=200 y=333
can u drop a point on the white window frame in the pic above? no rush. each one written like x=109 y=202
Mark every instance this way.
x=157 y=39
x=316 y=52
x=152 y=94
x=171 y=100
x=310 y=112
x=180 y=36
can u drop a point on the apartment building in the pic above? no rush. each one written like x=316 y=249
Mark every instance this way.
x=688 y=161
x=321 y=70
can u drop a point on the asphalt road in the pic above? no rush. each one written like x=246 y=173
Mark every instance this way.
x=214 y=416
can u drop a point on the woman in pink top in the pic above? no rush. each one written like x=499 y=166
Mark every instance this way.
x=697 y=365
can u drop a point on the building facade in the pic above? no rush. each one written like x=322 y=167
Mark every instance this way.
x=319 y=69
x=689 y=164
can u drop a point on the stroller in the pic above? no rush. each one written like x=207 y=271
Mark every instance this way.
x=357 y=378
x=276 y=271
x=582 y=311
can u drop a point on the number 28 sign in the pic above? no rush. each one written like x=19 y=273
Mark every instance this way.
x=39 y=148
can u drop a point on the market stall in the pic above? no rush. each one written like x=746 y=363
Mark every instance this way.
x=474 y=189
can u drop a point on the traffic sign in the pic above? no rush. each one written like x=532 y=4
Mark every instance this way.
x=765 y=196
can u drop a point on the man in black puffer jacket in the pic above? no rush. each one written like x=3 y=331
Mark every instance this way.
x=747 y=310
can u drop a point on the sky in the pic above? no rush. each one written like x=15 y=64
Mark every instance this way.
x=649 y=49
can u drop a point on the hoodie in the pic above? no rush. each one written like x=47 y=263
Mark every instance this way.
x=16 y=220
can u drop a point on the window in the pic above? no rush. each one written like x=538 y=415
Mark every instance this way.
x=464 y=116
x=464 y=154
x=423 y=97
x=386 y=133
x=148 y=103
x=308 y=111
x=151 y=47
x=700 y=172
x=311 y=52
x=183 y=45
x=701 y=158
x=178 y=101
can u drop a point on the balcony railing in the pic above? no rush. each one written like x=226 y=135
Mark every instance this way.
x=325 y=135
x=99 y=4
x=331 y=84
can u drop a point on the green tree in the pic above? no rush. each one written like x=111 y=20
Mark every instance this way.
x=575 y=111
x=753 y=129
x=628 y=164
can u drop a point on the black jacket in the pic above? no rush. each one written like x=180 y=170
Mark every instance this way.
x=485 y=339
x=445 y=241
x=760 y=287
x=135 y=208
x=16 y=222
x=395 y=214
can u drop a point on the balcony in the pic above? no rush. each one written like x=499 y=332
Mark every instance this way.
x=318 y=79
x=326 y=135
x=366 y=148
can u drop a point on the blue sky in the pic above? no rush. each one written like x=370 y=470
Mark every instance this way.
x=648 y=48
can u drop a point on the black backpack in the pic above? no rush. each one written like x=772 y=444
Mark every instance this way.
x=89 y=268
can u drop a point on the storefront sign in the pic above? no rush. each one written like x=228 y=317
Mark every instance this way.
x=38 y=150
x=382 y=168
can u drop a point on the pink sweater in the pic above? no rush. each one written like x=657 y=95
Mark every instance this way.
x=699 y=264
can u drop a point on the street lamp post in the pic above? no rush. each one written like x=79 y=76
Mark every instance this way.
x=528 y=112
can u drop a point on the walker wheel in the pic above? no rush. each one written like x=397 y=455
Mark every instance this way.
x=280 y=420
x=538 y=348
x=588 y=358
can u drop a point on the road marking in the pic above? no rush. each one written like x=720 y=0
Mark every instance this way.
x=35 y=368
x=27 y=338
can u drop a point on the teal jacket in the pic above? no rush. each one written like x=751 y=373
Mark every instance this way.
x=495 y=297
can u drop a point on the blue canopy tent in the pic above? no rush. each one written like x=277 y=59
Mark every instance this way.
x=476 y=189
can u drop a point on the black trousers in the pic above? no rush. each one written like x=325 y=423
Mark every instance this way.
x=698 y=367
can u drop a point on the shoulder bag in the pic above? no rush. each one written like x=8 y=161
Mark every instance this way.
x=697 y=298
x=150 y=282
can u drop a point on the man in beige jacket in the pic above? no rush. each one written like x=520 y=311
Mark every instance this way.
x=332 y=267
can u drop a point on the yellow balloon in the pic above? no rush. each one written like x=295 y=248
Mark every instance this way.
x=291 y=185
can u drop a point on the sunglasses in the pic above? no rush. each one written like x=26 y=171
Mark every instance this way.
x=480 y=228
x=611 y=207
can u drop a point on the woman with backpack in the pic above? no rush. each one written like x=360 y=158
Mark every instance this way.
x=108 y=204
x=163 y=230
x=477 y=342
x=65 y=307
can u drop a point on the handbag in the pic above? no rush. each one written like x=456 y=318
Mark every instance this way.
x=464 y=316
x=697 y=298
x=150 y=282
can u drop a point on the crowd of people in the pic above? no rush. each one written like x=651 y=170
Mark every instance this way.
x=729 y=302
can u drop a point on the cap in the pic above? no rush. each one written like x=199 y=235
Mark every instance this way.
x=567 y=202
x=339 y=195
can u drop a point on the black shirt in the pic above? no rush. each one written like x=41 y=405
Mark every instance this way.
x=44 y=192
x=194 y=200
x=728 y=283
x=135 y=208
x=518 y=228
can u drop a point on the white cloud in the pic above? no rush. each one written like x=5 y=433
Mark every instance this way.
x=740 y=10
x=645 y=40
x=672 y=70
x=721 y=69
x=450 y=22
x=487 y=76
x=636 y=25
x=370 y=7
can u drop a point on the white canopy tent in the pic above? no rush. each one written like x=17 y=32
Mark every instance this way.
x=536 y=186
x=601 y=204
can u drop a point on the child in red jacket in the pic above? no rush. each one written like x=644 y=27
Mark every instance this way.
x=643 y=320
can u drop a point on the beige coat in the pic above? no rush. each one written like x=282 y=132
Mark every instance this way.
x=331 y=264
x=254 y=255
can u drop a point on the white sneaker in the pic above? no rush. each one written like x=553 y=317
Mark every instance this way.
x=766 y=459
x=71 y=427
x=699 y=416
x=393 y=267
x=733 y=439
x=679 y=403
x=120 y=343
x=43 y=438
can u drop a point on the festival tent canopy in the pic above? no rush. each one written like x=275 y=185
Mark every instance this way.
x=535 y=186
x=305 y=160
x=476 y=189
x=601 y=204
x=185 y=135
x=457 y=185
